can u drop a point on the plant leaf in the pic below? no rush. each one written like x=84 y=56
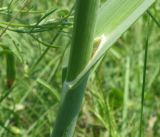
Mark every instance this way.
x=114 y=18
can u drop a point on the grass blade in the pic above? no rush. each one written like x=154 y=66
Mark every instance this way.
x=113 y=29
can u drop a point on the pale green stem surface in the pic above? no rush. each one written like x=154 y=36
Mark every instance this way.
x=81 y=49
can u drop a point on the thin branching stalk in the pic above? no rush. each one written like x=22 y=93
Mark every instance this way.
x=81 y=50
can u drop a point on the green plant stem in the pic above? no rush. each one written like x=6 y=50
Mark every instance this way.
x=81 y=49
x=10 y=67
x=144 y=79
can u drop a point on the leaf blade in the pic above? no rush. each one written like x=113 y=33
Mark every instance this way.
x=110 y=35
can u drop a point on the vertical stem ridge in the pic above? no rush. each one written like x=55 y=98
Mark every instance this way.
x=83 y=34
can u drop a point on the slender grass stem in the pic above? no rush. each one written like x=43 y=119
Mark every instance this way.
x=154 y=19
x=144 y=79
x=126 y=97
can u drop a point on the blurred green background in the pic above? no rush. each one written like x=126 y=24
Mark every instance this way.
x=38 y=33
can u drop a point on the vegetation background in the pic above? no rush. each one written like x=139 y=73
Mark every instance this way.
x=38 y=33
